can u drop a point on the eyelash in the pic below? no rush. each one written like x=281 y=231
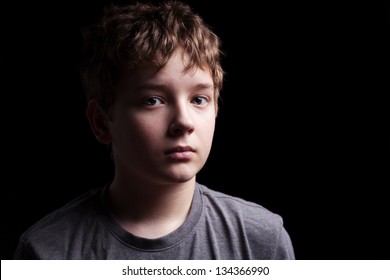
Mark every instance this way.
x=147 y=102
x=205 y=100
x=155 y=98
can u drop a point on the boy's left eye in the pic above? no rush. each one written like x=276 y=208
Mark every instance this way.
x=199 y=100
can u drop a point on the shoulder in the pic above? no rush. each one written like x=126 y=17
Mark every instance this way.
x=230 y=205
x=261 y=229
x=70 y=212
x=59 y=225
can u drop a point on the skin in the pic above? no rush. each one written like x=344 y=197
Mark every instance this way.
x=161 y=128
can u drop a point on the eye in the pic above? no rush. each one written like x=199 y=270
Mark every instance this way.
x=200 y=100
x=153 y=101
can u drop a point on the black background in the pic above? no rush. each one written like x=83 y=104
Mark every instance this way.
x=303 y=127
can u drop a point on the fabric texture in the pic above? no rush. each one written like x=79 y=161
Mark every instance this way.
x=218 y=226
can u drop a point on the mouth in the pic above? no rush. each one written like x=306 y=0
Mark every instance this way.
x=180 y=153
x=180 y=149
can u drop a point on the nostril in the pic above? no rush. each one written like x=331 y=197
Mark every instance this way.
x=179 y=128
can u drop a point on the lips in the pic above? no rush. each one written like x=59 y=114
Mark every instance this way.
x=180 y=149
x=180 y=153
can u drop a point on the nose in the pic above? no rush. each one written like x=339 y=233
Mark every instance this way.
x=181 y=121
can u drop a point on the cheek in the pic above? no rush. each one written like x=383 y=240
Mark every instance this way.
x=147 y=129
x=208 y=128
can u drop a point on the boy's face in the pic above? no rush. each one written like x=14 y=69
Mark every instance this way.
x=162 y=123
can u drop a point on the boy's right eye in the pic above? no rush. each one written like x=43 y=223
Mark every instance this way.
x=153 y=101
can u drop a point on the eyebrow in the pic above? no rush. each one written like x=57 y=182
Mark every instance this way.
x=162 y=87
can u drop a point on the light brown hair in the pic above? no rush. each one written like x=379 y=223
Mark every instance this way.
x=128 y=36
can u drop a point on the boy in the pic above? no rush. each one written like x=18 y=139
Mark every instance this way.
x=152 y=76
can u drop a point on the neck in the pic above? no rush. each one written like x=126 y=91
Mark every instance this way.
x=150 y=210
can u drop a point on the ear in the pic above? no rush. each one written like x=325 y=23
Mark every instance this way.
x=98 y=120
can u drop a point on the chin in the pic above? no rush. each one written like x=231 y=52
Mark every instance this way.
x=178 y=173
x=181 y=176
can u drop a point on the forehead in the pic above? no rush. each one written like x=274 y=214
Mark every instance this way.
x=173 y=74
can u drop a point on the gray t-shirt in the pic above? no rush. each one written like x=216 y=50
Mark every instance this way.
x=218 y=226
